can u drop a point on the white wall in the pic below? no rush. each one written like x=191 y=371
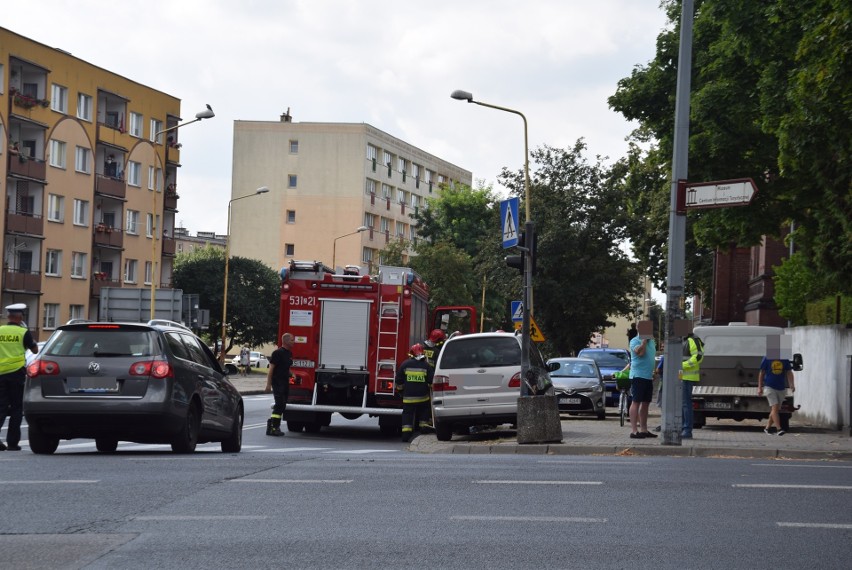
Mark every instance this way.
x=823 y=386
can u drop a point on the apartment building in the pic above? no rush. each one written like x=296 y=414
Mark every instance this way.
x=90 y=183
x=326 y=181
x=185 y=242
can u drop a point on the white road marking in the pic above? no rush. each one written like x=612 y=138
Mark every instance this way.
x=309 y=481
x=528 y=519
x=815 y=525
x=604 y=462
x=288 y=449
x=805 y=466
x=56 y=482
x=484 y=482
x=360 y=451
x=201 y=518
x=822 y=487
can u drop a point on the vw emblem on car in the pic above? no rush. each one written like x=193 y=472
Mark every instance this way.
x=94 y=368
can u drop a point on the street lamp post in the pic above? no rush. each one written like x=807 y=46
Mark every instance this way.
x=261 y=190
x=334 y=245
x=205 y=114
x=527 y=293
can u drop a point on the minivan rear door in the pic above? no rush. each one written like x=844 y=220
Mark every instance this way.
x=478 y=370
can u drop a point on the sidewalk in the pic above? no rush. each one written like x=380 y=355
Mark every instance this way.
x=583 y=435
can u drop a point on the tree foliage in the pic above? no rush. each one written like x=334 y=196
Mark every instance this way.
x=770 y=100
x=253 y=294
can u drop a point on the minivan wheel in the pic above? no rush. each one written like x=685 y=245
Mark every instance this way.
x=106 y=445
x=443 y=431
x=234 y=443
x=39 y=442
x=186 y=440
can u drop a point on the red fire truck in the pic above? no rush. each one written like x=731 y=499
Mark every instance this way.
x=351 y=332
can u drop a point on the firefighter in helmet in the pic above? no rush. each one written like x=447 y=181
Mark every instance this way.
x=414 y=380
x=432 y=345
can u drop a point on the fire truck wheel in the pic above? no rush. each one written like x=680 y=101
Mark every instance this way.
x=312 y=427
x=351 y=416
x=295 y=427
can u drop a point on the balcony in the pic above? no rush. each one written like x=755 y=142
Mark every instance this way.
x=113 y=133
x=22 y=281
x=24 y=223
x=108 y=236
x=170 y=198
x=168 y=246
x=99 y=281
x=109 y=186
x=21 y=165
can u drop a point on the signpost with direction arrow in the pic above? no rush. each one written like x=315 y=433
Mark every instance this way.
x=718 y=194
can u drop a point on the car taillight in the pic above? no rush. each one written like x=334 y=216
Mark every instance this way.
x=442 y=384
x=515 y=382
x=153 y=368
x=42 y=368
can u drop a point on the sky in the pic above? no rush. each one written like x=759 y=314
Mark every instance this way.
x=391 y=64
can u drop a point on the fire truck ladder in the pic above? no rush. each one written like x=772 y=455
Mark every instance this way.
x=389 y=312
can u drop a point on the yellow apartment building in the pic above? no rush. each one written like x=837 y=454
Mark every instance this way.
x=90 y=181
x=326 y=182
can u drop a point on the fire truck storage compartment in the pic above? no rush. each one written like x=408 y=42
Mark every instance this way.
x=344 y=334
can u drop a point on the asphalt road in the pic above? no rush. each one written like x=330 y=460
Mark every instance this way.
x=351 y=498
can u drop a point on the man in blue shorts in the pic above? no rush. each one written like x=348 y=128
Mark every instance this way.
x=642 y=363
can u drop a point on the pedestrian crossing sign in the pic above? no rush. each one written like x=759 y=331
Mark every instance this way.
x=517 y=311
x=509 y=222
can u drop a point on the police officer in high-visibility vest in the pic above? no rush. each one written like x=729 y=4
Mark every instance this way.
x=693 y=351
x=15 y=339
x=414 y=381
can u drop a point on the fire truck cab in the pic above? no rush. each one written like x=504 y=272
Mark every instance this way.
x=351 y=333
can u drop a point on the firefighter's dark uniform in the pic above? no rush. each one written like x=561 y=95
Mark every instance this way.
x=280 y=363
x=432 y=350
x=414 y=380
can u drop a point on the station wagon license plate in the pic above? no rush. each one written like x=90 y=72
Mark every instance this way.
x=570 y=401
x=717 y=405
x=93 y=384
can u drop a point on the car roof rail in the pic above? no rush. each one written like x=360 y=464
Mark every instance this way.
x=168 y=323
x=78 y=321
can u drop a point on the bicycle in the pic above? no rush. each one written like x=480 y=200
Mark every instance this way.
x=622 y=382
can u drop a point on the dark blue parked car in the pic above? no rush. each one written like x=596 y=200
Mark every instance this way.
x=610 y=361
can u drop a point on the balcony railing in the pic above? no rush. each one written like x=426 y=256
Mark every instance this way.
x=108 y=236
x=170 y=199
x=109 y=186
x=19 y=280
x=168 y=246
x=24 y=223
x=25 y=166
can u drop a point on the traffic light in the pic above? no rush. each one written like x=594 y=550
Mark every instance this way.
x=517 y=261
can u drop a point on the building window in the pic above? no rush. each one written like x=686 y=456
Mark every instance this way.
x=81 y=160
x=384 y=225
x=84 y=107
x=400 y=230
x=75 y=312
x=59 y=98
x=130 y=270
x=294 y=147
x=367 y=255
x=370 y=220
x=386 y=191
x=372 y=152
x=57 y=153
x=151 y=224
x=156 y=135
x=134 y=173
x=289 y=250
x=291 y=180
x=2 y=78
x=53 y=262
x=387 y=158
x=150 y=178
x=81 y=212
x=402 y=164
x=132 y=222
x=78 y=264
x=291 y=216
x=148 y=272
x=370 y=187
x=415 y=200
x=136 y=124
x=55 y=208
x=51 y=310
x=400 y=195
x=415 y=171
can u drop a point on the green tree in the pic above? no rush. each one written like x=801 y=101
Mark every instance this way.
x=771 y=101
x=583 y=276
x=253 y=294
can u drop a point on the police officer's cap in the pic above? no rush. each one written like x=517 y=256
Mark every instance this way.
x=16 y=309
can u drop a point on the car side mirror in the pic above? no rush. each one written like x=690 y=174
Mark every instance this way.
x=798 y=363
x=552 y=366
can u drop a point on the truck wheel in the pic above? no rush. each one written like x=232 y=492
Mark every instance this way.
x=785 y=421
x=295 y=427
x=443 y=431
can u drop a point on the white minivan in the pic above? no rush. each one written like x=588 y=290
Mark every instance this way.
x=478 y=381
